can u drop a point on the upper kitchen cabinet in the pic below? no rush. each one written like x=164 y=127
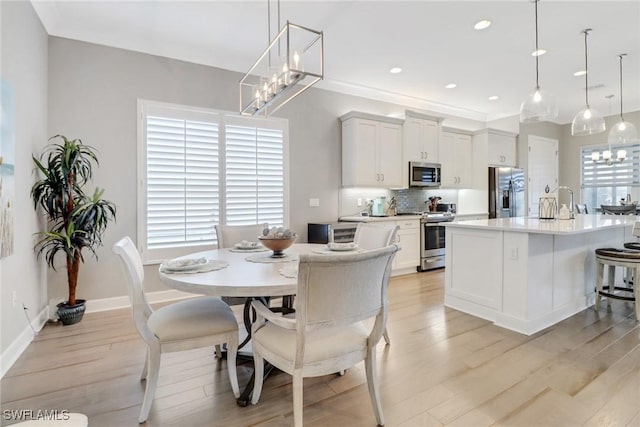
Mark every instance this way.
x=420 y=137
x=419 y=141
x=456 y=157
x=371 y=151
x=501 y=146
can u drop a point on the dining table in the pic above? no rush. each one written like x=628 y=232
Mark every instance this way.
x=250 y=273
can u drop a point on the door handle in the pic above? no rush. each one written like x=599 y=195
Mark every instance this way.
x=383 y=177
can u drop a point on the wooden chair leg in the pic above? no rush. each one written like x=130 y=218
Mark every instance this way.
x=152 y=382
x=599 y=278
x=612 y=278
x=258 y=373
x=143 y=374
x=374 y=393
x=636 y=291
x=218 y=351
x=297 y=397
x=232 y=353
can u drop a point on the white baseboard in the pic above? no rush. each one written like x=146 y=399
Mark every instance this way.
x=20 y=344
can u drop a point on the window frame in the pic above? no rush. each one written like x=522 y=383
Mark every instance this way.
x=631 y=185
x=146 y=107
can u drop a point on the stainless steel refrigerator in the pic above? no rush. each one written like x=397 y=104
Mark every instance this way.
x=506 y=192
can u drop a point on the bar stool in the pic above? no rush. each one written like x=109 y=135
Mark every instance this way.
x=612 y=257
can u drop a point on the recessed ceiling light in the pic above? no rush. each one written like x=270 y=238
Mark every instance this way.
x=451 y=85
x=395 y=70
x=580 y=73
x=493 y=97
x=481 y=25
x=538 y=52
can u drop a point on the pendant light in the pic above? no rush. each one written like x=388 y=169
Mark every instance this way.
x=587 y=121
x=292 y=62
x=540 y=105
x=622 y=132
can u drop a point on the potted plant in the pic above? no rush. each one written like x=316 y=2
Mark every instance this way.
x=77 y=219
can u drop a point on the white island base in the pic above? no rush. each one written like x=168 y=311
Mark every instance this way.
x=525 y=274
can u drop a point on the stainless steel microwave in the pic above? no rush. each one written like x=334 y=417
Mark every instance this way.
x=424 y=174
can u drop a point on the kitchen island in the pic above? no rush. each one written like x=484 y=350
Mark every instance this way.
x=526 y=274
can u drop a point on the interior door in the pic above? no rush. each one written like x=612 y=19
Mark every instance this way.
x=542 y=169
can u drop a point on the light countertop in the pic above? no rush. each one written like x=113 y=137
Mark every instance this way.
x=581 y=224
x=358 y=218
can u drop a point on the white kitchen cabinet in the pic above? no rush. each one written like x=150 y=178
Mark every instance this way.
x=371 y=151
x=501 y=146
x=420 y=134
x=420 y=138
x=408 y=237
x=456 y=157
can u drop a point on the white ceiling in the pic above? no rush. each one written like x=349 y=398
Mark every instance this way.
x=434 y=42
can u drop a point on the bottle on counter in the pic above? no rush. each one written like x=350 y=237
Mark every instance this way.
x=564 y=212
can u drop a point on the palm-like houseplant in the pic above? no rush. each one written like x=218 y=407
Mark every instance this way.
x=76 y=219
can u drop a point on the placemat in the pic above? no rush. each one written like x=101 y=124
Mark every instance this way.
x=259 y=249
x=210 y=265
x=327 y=251
x=267 y=259
x=289 y=271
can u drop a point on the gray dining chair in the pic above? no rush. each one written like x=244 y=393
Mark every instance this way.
x=374 y=236
x=229 y=235
x=184 y=325
x=336 y=295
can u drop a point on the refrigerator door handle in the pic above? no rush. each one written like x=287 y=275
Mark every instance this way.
x=512 y=199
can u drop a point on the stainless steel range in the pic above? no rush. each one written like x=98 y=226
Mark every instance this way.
x=432 y=238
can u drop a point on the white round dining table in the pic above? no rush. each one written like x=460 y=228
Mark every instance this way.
x=241 y=278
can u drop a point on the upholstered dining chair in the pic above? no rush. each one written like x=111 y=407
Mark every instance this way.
x=374 y=236
x=618 y=209
x=335 y=294
x=185 y=325
x=229 y=235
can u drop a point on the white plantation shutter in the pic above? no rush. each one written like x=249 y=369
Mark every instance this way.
x=182 y=182
x=254 y=175
x=199 y=168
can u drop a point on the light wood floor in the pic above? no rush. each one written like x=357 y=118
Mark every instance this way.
x=443 y=368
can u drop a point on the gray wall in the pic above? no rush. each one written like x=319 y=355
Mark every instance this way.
x=24 y=68
x=92 y=95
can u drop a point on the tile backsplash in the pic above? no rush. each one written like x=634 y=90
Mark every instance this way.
x=413 y=199
x=407 y=200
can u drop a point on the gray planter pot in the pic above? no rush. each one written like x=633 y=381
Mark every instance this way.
x=71 y=314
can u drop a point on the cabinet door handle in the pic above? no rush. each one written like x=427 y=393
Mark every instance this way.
x=378 y=177
x=383 y=177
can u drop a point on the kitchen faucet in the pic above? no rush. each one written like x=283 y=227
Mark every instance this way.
x=572 y=214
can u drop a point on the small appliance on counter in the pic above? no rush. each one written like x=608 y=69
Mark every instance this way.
x=339 y=232
x=379 y=206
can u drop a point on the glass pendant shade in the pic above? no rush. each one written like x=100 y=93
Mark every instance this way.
x=623 y=133
x=587 y=122
x=539 y=106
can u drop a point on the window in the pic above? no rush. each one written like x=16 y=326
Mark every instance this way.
x=201 y=167
x=607 y=184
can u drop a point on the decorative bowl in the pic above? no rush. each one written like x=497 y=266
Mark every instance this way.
x=277 y=244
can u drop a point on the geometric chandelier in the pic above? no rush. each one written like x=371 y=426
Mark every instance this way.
x=292 y=62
